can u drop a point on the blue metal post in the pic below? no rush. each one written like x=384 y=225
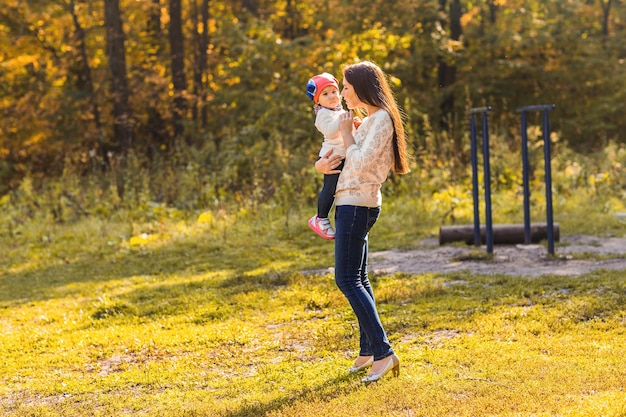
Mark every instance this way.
x=487 y=180
x=525 y=179
x=548 y=170
x=487 y=177
x=474 y=158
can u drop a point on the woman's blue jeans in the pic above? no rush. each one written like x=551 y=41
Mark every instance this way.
x=352 y=225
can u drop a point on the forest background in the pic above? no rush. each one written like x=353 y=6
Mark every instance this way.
x=194 y=104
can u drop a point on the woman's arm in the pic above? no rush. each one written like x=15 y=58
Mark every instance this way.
x=376 y=142
x=328 y=163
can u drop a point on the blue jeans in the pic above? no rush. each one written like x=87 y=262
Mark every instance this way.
x=352 y=225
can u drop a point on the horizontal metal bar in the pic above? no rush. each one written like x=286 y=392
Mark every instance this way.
x=480 y=109
x=536 y=107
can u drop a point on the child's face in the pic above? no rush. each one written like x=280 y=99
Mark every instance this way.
x=329 y=97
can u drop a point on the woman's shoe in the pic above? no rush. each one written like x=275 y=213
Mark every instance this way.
x=393 y=364
x=354 y=369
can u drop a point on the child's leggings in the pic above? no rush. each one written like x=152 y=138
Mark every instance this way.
x=326 y=197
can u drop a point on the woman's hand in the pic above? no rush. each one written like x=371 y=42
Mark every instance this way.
x=328 y=163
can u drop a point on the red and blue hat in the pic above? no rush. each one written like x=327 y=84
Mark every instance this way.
x=318 y=83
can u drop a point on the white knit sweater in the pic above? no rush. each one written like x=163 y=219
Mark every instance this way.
x=368 y=163
x=327 y=122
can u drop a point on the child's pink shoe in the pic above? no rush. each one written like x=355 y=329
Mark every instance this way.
x=322 y=227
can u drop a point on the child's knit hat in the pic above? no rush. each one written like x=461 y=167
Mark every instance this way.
x=319 y=82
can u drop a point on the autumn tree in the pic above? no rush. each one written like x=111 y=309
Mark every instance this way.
x=447 y=68
x=177 y=57
x=156 y=85
x=116 y=54
x=200 y=18
x=79 y=87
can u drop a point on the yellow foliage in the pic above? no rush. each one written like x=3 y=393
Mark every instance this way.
x=206 y=217
x=573 y=170
x=616 y=204
x=35 y=139
x=20 y=62
x=142 y=239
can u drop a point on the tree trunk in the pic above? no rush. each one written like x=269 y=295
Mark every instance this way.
x=197 y=74
x=199 y=52
x=122 y=127
x=178 y=67
x=200 y=19
x=446 y=72
x=156 y=123
x=119 y=81
x=204 y=46
x=606 y=11
x=493 y=9
x=87 y=84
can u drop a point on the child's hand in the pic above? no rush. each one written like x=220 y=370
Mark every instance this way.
x=346 y=126
x=346 y=121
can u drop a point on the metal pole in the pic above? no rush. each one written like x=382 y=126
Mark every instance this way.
x=548 y=176
x=548 y=171
x=487 y=177
x=525 y=179
x=474 y=158
x=487 y=180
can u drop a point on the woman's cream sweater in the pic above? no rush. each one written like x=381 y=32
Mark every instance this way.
x=368 y=163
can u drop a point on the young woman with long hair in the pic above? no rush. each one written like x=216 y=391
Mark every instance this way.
x=377 y=147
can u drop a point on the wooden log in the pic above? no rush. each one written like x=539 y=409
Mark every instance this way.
x=504 y=234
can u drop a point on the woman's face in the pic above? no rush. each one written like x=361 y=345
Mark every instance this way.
x=349 y=95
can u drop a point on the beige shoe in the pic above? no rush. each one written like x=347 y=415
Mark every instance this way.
x=393 y=364
x=354 y=369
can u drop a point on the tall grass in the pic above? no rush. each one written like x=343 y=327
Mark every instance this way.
x=436 y=191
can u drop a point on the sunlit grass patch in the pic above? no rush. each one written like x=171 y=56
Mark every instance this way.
x=468 y=343
x=214 y=319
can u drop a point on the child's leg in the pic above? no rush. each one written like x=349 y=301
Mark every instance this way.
x=320 y=223
x=326 y=197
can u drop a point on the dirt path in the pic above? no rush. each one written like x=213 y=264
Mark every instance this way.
x=575 y=255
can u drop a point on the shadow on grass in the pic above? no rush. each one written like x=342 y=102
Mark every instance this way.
x=333 y=388
x=216 y=298
x=193 y=257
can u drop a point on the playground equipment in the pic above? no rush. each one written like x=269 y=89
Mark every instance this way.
x=486 y=174
x=509 y=233
x=547 y=169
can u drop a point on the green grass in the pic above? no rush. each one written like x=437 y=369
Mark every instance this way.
x=176 y=318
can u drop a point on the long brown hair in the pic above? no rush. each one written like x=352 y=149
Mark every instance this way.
x=371 y=86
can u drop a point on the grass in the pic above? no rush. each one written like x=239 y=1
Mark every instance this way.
x=177 y=318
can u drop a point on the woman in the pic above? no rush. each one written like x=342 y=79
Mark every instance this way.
x=377 y=146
